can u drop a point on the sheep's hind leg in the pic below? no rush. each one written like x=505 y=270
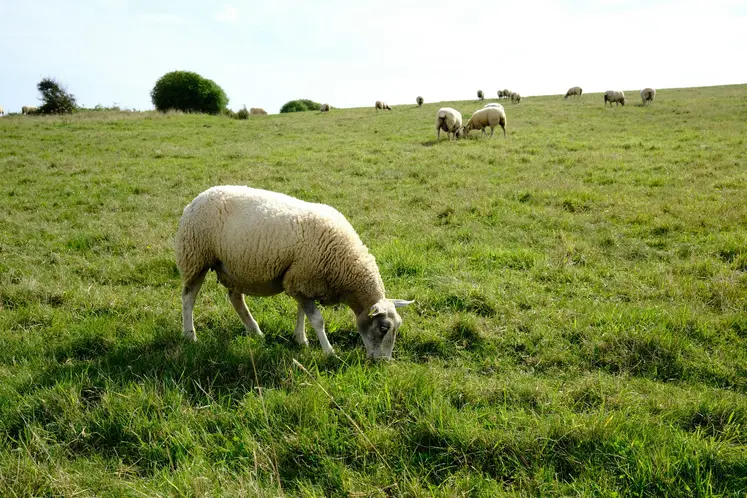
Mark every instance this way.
x=315 y=317
x=300 y=333
x=189 y=295
x=237 y=300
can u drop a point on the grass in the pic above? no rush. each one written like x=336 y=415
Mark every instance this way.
x=580 y=325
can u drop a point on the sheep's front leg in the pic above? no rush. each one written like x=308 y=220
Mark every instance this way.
x=237 y=300
x=300 y=333
x=315 y=317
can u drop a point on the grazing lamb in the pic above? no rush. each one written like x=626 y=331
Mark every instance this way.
x=382 y=105
x=450 y=121
x=648 y=95
x=325 y=108
x=489 y=116
x=515 y=97
x=419 y=101
x=616 y=96
x=263 y=243
x=575 y=90
x=28 y=109
x=257 y=110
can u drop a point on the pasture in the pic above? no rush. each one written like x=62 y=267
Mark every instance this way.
x=580 y=324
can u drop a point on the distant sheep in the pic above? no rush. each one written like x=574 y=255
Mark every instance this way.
x=28 y=109
x=257 y=110
x=450 y=121
x=576 y=90
x=491 y=116
x=262 y=243
x=616 y=96
x=515 y=97
x=648 y=95
x=419 y=100
x=382 y=105
x=325 y=108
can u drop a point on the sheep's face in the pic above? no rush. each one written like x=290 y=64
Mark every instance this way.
x=462 y=132
x=378 y=328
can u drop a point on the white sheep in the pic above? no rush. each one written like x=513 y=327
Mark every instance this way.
x=489 y=116
x=648 y=95
x=616 y=96
x=450 y=121
x=257 y=110
x=574 y=90
x=28 y=109
x=382 y=105
x=515 y=97
x=325 y=108
x=492 y=104
x=263 y=243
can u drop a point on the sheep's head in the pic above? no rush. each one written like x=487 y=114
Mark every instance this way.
x=463 y=131
x=378 y=327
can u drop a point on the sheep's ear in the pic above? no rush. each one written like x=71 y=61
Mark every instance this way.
x=400 y=303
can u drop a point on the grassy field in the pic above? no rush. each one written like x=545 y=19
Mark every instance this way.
x=580 y=325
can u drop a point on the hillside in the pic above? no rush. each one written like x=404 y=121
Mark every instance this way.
x=580 y=324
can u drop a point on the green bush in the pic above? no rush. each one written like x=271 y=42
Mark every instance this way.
x=300 y=105
x=189 y=92
x=480 y=95
x=243 y=114
x=55 y=97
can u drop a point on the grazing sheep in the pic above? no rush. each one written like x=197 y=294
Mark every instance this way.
x=28 y=109
x=263 y=243
x=257 y=110
x=616 y=96
x=515 y=97
x=489 y=116
x=575 y=90
x=382 y=105
x=450 y=121
x=325 y=108
x=419 y=101
x=648 y=95
x=480 y=95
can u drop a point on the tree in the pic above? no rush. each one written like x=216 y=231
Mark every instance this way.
x=55 y=98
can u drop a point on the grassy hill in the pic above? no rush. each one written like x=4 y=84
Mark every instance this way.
x=580 y=325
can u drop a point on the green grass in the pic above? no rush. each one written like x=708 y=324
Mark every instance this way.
x=580 y=325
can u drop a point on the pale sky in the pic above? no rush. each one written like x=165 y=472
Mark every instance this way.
x=350 y=54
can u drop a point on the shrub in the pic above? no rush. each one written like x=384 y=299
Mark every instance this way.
x=55 y=97
x=242 y=114
x=189 y=92
x=419 y=100
x=480 y=95
x=300 y=105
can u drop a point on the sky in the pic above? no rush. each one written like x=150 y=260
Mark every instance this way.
x=351 y=53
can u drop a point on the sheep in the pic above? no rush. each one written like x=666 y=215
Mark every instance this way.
x=488 y=116
x=257 y=110
x=28 y=109
x=492 y=104
x=575 y=90
x=616 y=96
x=263 y=243
x=419 y=101
x=382 y=105
x=648 y=95
x=515 y=97
x=450 y=121
x=325 y=108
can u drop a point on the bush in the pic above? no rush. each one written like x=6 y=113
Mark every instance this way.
x=419 y=100
x=480 y=95
x=189 y=92
x=242 y=114
x=300 y=105
x=55 y=97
